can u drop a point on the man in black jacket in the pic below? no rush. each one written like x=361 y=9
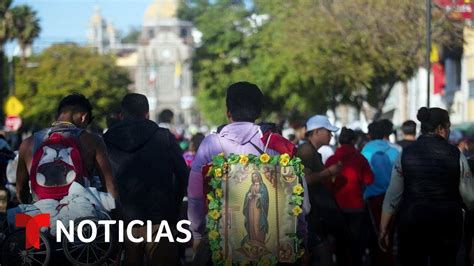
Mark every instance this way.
x=151 y=176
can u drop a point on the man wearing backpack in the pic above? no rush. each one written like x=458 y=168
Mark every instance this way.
x=151 y=175
x=244 y=102
x=381 y=155
x=53 y=158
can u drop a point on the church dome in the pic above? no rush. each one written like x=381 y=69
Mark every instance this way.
x=96 y=19
x=161 y=9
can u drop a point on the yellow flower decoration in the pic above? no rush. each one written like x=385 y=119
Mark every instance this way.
x=298 y=189
x=215 y=214
x=218 y=172
x=217 y=255
x=209 y=171
x=301 y=253
x=264 y=158
x=221 y=154
x=284 y=161
x=210 y=197
x=244 y=159
x=285 y=155
x=297 y=210
x=213 y=235
x=219 y=192
x=266 y=262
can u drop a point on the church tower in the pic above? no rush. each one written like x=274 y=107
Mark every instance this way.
x=101 y=34
x=164 y=62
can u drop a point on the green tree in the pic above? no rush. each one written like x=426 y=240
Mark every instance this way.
x=242 y=43
x=191 y=9
x=66 y=68
x=5 y=35
x=361 y=48
x=16 y=23
x=132 y=35
x=277 y=68
x=220 y=56
x=25 y=27
x=307 y=55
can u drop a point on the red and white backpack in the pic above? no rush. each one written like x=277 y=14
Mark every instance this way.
x=56 y=163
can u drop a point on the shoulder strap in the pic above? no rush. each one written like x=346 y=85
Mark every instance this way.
x=268 y=142
x=38 y=139
x=389 y=146
x=265 y=147
x=257 y=148
x=220 y=143
x=383 y=151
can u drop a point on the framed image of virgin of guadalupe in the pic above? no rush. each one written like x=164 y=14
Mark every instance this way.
x=253 y=206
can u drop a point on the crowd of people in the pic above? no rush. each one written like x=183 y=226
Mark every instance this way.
x=371 y=201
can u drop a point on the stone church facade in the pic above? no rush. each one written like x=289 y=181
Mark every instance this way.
x=160 y=64
x=164 y=61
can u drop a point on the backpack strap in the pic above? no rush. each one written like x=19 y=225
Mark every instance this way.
x=257 y=148
x=220 y=143
x=266 y=145
x=268 y=142
x=38 y=139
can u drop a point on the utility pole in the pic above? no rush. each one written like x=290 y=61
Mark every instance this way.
x=428 y=51
x=11 y=76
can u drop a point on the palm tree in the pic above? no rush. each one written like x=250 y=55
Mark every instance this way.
x=5 y=22
x=5 y=35
x=26 y=27
x=18 y=23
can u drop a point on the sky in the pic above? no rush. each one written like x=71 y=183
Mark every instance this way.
x=67 y=20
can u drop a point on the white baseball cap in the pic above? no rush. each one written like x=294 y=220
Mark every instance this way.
x=320 y=121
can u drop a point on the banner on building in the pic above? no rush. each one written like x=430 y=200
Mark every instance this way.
x=457 y=9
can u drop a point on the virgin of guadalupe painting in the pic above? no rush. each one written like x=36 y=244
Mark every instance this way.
x=255 y=210
x=256 y=221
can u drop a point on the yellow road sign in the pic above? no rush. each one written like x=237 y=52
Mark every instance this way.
x=13 y=106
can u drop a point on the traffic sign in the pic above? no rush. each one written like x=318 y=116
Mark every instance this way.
x=13 y=123
x=13 y=106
